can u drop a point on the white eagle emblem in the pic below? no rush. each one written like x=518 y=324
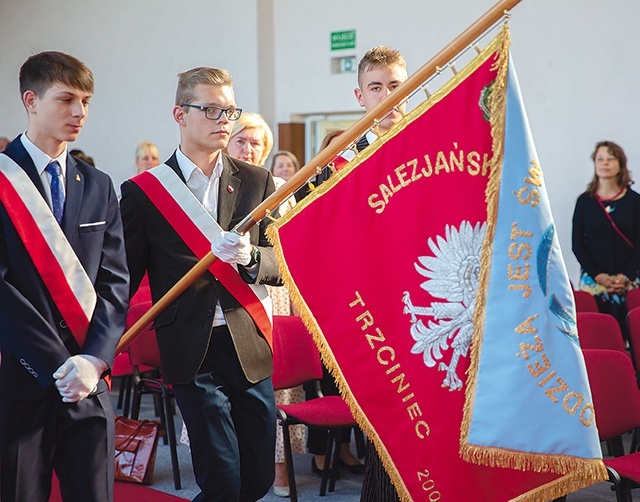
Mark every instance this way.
x=452 y=274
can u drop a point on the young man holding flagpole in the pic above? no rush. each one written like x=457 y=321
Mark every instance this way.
x=63 y=295
x=215 y=339
x=380 y=71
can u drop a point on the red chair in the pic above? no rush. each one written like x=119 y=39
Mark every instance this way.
x=122 y=367
x=296 y=360
x=143 y=293
x=633 y=299
x=616 y=400
x=599 y=331
x=585 y=302
x=144 y=352
x=633 y=326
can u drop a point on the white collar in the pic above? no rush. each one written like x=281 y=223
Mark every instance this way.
x=371 y=136
x=187 y=166
x=40 y=159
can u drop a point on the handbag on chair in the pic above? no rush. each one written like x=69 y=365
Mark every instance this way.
x=136 y=444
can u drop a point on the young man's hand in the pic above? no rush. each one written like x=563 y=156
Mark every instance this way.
x=78 y=377
x=231 y=247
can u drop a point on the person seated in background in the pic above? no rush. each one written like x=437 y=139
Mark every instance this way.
x=606 y=232
x=317 y=439
x=79 y=154
x=251 y=139
x=326 y=141
x=284 y=164
x=4 y=142
x=147 y=156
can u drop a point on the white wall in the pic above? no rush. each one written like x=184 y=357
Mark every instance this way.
x=135 y=50
x=575 y=59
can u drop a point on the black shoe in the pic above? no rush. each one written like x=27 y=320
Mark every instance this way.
x=352 y=468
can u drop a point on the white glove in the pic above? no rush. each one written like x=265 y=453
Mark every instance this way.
x=231 y=247
x=78 y=377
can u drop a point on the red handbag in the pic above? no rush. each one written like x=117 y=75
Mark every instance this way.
x=136 y=444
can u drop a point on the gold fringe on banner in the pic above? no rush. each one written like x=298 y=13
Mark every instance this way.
x=497 y=106
x=569 y=483
x=579 y=472
x=499 y=45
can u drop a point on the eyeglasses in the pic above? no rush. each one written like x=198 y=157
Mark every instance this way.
x=232 y=114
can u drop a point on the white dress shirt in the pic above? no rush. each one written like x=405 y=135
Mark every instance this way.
x=41 y=160
x=206 y=191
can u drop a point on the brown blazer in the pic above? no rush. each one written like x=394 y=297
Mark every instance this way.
x=184 y=328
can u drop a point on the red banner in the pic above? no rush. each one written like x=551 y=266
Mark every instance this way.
x=365 y=255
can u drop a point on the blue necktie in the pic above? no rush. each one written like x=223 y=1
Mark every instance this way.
x=57 y=195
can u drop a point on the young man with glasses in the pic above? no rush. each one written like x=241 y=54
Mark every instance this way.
x=213 y=340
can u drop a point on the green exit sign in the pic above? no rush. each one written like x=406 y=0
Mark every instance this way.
x=343 y=40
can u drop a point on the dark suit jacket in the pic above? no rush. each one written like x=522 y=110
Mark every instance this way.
x=184 y=328
x=31 y=328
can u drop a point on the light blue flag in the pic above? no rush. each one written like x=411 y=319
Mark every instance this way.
x=532 y=395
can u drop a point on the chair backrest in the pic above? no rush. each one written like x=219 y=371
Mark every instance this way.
x=599 y=331
x=295 y=356
x=633 y=325
x=122 y=365
x=633 y=299
x=143 y=294
x=585 y=302
x=144 y=349
x=616 y=398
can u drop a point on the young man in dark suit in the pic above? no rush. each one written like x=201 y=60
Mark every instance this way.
x=63 y=295
x=214 y=346
x=380 y=71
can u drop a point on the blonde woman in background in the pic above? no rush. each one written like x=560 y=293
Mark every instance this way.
x=251 y=139
x=147 y=156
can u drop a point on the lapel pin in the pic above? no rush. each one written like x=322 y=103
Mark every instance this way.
x=77 y=177
x=230 y=189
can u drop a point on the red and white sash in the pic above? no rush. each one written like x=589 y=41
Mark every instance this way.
x=197 y=228
x=55 y=260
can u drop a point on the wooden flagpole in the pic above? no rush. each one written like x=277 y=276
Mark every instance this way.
x=461 y=42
